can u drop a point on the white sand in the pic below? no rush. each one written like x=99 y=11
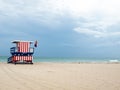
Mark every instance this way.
x=57 y=76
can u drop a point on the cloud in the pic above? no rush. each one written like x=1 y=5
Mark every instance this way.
x=99 y=15
x=32 y=8
x=98 y=24
x=96 y=33
x=49 y=10
x=89 y=32
x=75 y=7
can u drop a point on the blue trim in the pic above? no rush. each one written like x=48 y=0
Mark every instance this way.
x=14 y=51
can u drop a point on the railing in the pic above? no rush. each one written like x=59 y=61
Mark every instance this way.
x=14 y=50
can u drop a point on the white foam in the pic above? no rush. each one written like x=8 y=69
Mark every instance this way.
x=114 y=61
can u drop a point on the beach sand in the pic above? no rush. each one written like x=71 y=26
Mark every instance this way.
x=60 y=76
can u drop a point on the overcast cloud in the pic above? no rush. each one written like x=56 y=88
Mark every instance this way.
x=63 y=24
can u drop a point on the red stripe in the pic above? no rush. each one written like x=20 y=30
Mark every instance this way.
x=20 y=57
x=29 y=58
x=15 y=58
x=23 y=57
x=28 y=47
x=24 y=46
x=26 y=58
x=20 y=47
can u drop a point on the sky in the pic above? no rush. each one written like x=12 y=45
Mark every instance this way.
x=63 y=28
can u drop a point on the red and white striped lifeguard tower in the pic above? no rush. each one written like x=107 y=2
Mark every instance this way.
x=22 y=53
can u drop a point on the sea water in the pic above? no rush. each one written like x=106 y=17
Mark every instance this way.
x=65 y=59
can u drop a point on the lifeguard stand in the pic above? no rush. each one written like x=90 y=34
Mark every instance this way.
x=22 y=53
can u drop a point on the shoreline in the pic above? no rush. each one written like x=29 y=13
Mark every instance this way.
x=67 y=63
x=69 y=60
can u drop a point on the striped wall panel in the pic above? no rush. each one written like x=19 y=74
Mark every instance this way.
x=23 y=46
x=22 y=58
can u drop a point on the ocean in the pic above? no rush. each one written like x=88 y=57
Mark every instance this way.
x=62 y=60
